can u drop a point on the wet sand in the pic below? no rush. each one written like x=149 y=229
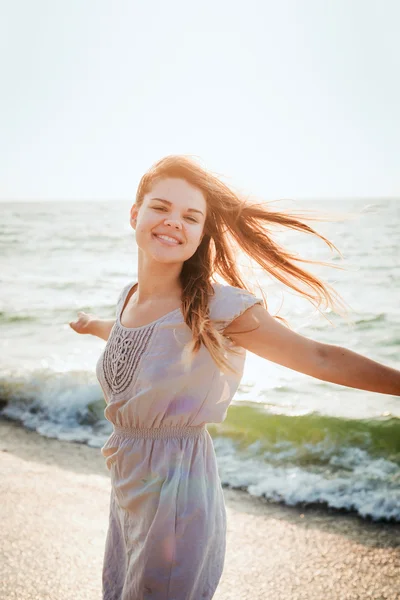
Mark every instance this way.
x=54 y=518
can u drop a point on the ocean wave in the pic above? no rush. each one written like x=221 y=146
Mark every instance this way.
x=306 y=459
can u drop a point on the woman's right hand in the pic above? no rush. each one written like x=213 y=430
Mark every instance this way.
x=84 y=323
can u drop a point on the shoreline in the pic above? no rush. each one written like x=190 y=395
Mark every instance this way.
x=55 y=500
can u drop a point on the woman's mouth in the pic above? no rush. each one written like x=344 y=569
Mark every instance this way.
x=166 y=240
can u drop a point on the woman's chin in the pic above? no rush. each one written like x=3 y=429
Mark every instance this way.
x=163 y=257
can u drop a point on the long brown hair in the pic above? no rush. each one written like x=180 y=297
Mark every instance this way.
x=232 y=222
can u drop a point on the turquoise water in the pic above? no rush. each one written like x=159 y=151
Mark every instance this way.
x=288 y=437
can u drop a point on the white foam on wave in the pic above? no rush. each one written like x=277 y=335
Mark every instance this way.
x=55 y=405
x=362 y=484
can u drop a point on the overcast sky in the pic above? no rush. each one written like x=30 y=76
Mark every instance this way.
x=285 y=98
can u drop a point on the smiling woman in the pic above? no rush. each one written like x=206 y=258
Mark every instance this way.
x=169 y=195
x=175 y=363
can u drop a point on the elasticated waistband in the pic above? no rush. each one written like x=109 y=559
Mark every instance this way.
x=156 y=433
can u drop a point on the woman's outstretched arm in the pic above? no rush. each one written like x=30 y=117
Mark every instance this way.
x=90 y=324
x=273 y=341
x=345 y=367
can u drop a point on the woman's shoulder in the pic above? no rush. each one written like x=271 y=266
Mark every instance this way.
x=228 y=302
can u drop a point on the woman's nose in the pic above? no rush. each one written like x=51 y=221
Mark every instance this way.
x=174 y=223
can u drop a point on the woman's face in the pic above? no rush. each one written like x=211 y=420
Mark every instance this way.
x=173 y=208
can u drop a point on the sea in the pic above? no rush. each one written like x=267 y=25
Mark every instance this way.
x=287 y=437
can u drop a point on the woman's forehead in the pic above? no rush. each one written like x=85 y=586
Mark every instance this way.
x=177 y=192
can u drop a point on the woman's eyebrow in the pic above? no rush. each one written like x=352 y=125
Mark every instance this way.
x=169 y=203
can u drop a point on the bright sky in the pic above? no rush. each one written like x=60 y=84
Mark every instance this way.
x=284 y=98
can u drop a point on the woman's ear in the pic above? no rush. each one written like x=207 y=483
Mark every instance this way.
x=133 y=217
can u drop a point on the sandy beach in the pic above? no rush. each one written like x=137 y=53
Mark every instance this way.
x=55 y=499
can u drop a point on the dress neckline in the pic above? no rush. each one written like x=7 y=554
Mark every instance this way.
x=121 y=310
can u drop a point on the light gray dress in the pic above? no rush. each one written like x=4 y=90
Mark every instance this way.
x=167 y=520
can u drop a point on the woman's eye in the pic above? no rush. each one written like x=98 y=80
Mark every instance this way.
x=162 y=208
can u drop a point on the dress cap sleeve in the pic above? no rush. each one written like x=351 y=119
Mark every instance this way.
x=230 y=302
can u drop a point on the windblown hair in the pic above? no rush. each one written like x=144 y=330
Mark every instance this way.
x=233 y=222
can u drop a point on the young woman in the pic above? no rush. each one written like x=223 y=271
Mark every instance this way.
x=172 y=363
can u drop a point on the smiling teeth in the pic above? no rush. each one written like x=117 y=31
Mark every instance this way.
x=165 y=237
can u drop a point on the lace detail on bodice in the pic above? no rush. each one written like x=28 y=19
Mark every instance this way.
x=122 y=356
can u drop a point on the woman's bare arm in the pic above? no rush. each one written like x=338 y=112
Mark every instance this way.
x=264 y=336
x=345 y=367
x=92 y=325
